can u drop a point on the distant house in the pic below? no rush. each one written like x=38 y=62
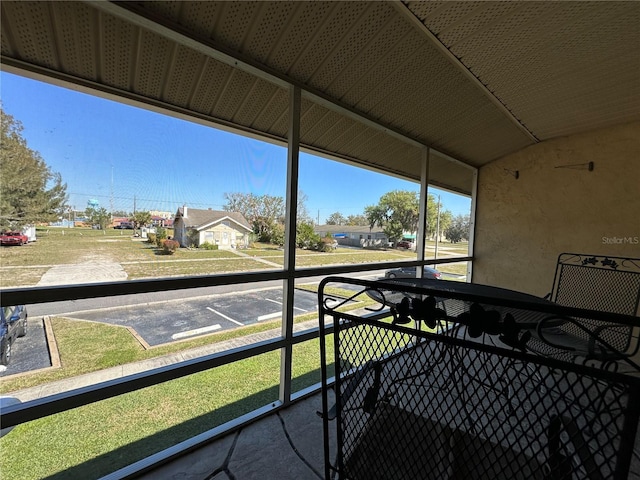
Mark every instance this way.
x=194 y=227
x=160 y=221
x=161 y=214
x=355 y=235
x=121 y=222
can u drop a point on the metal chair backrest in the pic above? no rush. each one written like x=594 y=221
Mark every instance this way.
x=603 y=283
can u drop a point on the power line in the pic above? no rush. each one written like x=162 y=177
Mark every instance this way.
x=154 y=200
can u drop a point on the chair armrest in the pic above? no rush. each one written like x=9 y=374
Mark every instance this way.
x=597 y=337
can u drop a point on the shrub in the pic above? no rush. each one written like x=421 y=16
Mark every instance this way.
x=327 y=244
x=306 y=237
x=169 y=247
x=193 y=237
x=209 y=246
x=151 y=238
x=277 y=235
x=161 y=234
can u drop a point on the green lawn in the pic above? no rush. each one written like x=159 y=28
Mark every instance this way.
x=24 y=266
x=94 y=440
x=459 y=268
x=179 y=267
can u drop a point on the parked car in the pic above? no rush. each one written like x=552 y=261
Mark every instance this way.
x=406 y=244
x=124 y=226
x=13 y=324
x=410 y=272
x=6 y=401
x=13 y=238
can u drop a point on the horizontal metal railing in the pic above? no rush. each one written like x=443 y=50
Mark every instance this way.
x=32 y=295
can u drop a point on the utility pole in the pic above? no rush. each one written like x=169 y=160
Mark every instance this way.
x=435 y=253
x=134 y=214
x=111 y=196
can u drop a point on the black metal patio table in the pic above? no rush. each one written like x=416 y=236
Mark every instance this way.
x=458 y=296
x=470 y=400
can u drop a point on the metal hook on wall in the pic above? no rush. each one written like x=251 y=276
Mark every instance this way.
x=515 y=173
x=578 y=166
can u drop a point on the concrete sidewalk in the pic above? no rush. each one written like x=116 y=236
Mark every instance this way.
x=89 y=270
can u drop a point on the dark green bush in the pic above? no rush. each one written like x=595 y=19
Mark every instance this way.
x=209 y=246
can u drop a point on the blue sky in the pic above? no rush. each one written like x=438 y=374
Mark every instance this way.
x=114 y=153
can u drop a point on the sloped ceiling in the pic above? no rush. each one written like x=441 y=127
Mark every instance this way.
x=472 y=80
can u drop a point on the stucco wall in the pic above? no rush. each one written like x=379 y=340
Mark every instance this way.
x=523 y=224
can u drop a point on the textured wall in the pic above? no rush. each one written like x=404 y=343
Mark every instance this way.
x=522 y=225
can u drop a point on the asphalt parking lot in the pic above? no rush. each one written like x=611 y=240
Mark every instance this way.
x=163 y=322
x=31 y=351
x=160 y=322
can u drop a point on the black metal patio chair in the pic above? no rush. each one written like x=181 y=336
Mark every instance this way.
x=594 y=282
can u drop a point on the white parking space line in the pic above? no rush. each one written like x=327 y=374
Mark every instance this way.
x=197 y=331
x=225 y=317
x=280 y=303
x=268 y=316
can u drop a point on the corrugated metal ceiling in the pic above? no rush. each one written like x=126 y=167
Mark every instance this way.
x=474 y=80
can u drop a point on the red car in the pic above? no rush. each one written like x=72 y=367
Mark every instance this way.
x=408 y=244
x=13 y=238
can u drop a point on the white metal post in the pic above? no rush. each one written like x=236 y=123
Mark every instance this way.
x=472 y=224
x=293 y=153
x=422 y=219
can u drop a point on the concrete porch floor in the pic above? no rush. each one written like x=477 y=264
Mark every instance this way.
x=285 y=446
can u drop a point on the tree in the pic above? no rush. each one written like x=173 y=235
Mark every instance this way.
x=396 y=212
x=306 y=237
x=140 y=219
x=336 y=218
x=277 y=234
x=302 y=214
x=263 y=212
x=446 y=217
x=357 y=220
x=432 y=215
x=98 y=216
x=459 y=229
x=29 y=191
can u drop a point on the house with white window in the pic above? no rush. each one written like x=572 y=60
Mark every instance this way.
x=195 y=227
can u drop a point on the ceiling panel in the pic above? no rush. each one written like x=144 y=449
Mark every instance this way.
x=27 y=27
x=473 y=80
x=76 y=28
x=116 y=53
x=560 y=67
